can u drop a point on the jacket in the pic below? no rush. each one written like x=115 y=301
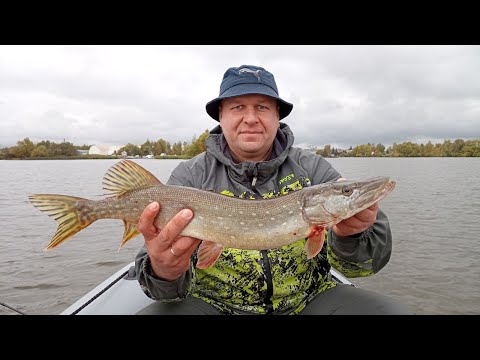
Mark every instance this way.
x=279 y=280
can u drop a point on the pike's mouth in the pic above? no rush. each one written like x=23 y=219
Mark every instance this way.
x=374 y=193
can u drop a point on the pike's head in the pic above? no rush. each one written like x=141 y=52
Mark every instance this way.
x=328 y=204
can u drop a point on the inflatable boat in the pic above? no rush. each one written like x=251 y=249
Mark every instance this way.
x=120 y=294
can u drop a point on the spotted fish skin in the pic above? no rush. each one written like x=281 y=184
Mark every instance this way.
x=219 y=220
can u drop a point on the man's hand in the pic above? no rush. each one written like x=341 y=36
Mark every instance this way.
x=169 y=253
x=357 y=223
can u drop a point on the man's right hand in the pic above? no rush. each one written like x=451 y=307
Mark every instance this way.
x=169 y=253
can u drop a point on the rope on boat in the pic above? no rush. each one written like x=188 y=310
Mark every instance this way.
x=100 y=293
x=11 y=308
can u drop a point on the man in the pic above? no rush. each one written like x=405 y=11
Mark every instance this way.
x=250 y=155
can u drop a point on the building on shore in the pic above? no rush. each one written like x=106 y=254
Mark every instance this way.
x=103 y=149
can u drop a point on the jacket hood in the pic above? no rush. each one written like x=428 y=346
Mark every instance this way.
x=244 y=172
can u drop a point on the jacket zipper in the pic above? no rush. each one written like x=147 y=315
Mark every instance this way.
x=255 y=173
x=268 y=280
x=266 y=261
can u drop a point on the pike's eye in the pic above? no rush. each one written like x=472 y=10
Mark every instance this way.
x=347 y=190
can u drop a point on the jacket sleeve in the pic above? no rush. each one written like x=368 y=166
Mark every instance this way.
x=358 y=255
x=152 y=286
x=156 y=288
x=363 y=254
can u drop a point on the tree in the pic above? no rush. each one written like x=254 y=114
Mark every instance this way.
x=39 y=151
x=379 y=149
x=81 y=147
x=160 y=147
x=429 y=150
x=202 y=141
x=457 y=147
x=447 y=148
x=130 y=149
x=146 y=148
x=198 y=145
x=23 y=149
x=177 y=148
x=363 y=150
x=471 y=148
x=327 y=151
x=62 y=149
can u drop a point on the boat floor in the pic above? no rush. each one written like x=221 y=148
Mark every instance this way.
x=120 y=294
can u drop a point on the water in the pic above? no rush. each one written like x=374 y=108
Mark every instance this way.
x=435 y=218
x=434 y=213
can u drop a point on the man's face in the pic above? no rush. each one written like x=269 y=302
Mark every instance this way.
x=249 y=123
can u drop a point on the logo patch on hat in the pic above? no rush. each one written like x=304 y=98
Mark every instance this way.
x=254 y=72
x=236 y=82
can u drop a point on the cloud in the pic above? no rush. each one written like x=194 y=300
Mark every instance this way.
x=342 y=95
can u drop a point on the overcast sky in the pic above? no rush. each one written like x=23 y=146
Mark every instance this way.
x=342 y=95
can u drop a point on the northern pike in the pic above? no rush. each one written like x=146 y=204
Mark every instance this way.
x=219 y=221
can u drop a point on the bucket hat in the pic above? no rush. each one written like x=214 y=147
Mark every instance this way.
x=247 y=79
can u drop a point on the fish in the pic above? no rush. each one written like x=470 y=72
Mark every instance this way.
x=219 y=221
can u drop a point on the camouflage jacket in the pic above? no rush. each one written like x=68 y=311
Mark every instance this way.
x=279 y=280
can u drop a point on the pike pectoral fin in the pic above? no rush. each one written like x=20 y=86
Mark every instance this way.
x=315 y=241
x=208 y=254
x=130 y=232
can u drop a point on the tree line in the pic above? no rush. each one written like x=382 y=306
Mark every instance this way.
x=26 y=149
x=162 y=147
x=457 y=148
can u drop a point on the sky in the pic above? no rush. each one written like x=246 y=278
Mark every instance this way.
x=342 y=95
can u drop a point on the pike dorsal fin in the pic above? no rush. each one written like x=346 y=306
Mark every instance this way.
x=125 y=176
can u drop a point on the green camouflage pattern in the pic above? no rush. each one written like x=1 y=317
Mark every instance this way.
x=237 y=282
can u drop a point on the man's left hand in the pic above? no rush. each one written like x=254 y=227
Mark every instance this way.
x=357 y=223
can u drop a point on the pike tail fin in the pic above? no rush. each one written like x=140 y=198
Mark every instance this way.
x=63 y=209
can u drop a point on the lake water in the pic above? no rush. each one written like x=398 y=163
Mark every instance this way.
x=434 y=213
